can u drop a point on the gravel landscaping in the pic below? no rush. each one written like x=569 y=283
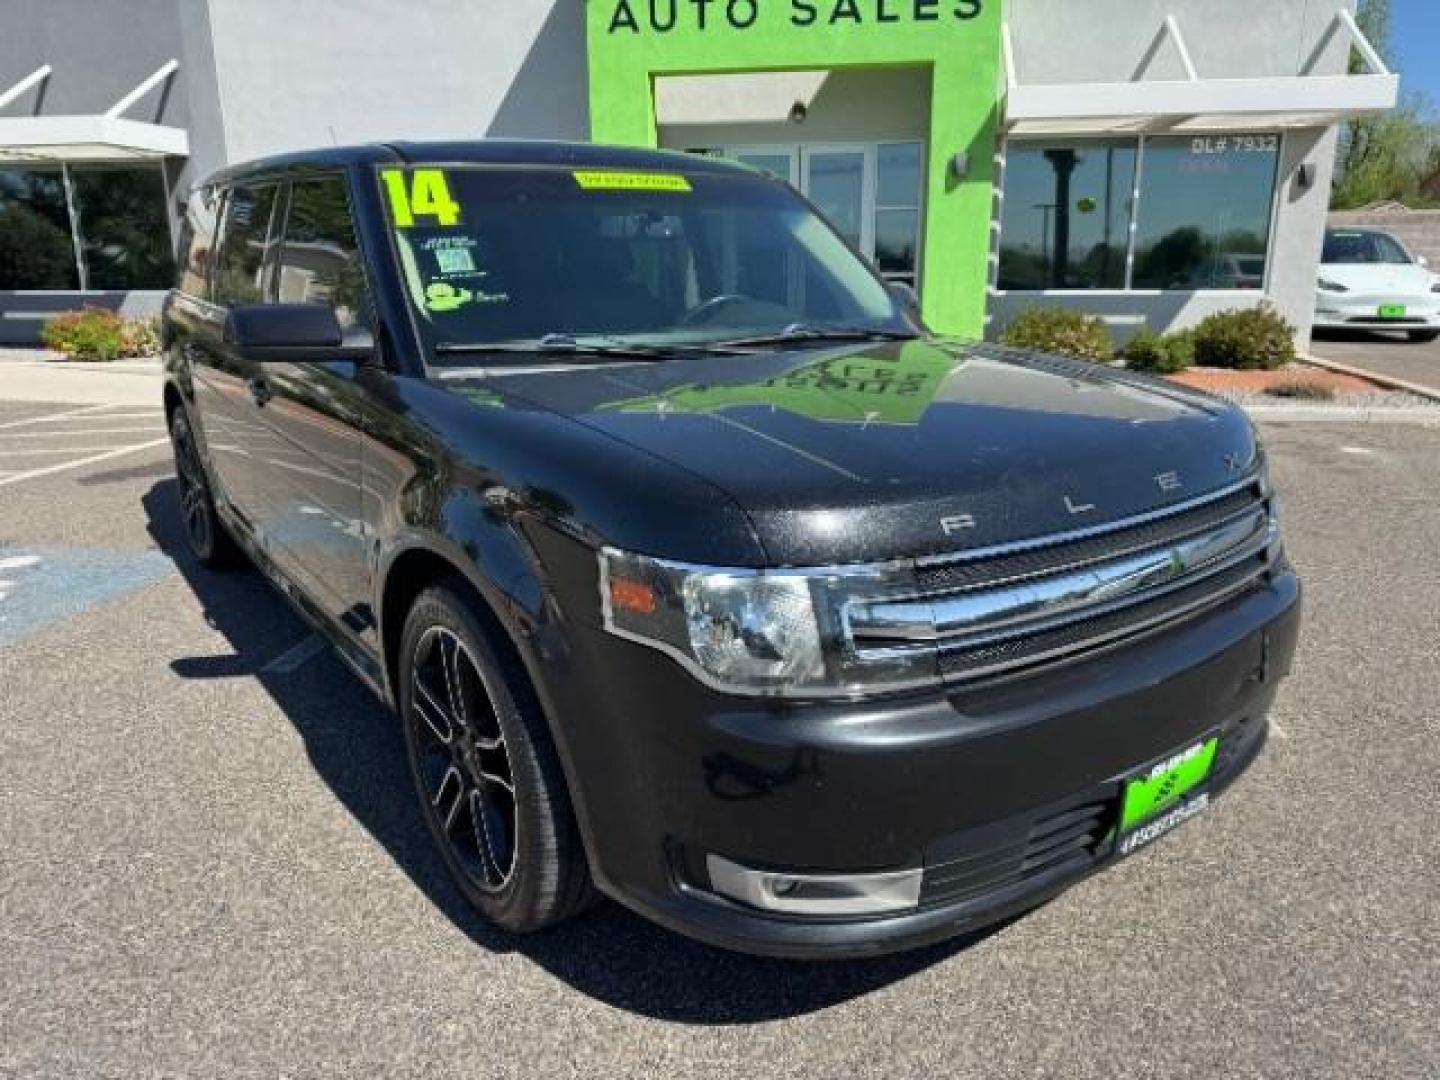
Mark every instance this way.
x=1366 y=399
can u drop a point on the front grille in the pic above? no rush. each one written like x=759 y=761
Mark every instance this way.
x=989 y=612
x=1089 y=633
x=1060 y=843
x=1049 y=557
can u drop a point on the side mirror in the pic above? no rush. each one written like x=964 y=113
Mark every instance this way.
x=907 y=298
x=291 y=333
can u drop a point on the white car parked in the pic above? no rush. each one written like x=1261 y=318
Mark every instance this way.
x=1368 y=281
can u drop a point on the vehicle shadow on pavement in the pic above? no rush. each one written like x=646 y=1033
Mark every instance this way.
x=1379 y=338
x=356 y=746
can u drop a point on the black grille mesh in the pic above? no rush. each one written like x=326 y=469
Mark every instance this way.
x=1050 y=558
x=1065 y=841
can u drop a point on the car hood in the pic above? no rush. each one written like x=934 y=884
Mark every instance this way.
x=1393 y=279
x=867 y=452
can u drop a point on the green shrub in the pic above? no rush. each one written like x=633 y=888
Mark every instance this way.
x=1058 y=330
x=141 y=337
x=1249 y=339
x=1161 y=354
x=97 y=334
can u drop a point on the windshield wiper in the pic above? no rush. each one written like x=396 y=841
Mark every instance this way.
x=563 y=345
x=602 y=348
x=805 y=332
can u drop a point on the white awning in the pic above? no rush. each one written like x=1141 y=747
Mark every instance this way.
x=106 y=136
x=87 y=138
x=1197 y=104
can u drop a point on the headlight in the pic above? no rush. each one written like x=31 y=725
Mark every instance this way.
x=1326 y=285
x=759 y=632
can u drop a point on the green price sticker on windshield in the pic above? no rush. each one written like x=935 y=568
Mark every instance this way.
x=609 y=180
x=420 y=193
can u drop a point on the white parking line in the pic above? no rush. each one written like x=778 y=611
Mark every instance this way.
x=148 y=414
x=49 y=417
x=295 y=657
x=94 y=459
x=35 y=451
x=81 y=434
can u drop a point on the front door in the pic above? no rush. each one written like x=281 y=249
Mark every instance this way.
x=316 y=412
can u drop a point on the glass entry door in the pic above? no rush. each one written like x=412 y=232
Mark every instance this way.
x=836 y=180
x=871 y=192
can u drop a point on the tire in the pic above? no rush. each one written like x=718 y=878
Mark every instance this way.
x=485 y=771
x=206 y=535
x=1424 y=337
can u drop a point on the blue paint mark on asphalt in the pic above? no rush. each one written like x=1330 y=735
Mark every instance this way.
x=39 y=588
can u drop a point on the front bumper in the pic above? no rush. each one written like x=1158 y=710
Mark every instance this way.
x=1351 y=311
x=1004 y=794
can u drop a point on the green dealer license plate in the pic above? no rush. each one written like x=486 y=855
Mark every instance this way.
x=1166 y=795
x=1392 y=311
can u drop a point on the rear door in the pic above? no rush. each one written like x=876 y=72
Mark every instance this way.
x=229 y=388
x=315 y=411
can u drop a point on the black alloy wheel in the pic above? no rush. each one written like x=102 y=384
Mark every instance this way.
x=464 y=767
x=204 y=533
x=486 y=772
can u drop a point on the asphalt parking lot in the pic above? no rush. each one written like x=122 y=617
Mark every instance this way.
x=1385 y=354
x=210 y=863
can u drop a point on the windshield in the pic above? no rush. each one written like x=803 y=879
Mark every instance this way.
x=505 y=255
x=1343 y=248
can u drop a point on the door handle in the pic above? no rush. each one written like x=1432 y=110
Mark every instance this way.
x=260 y=391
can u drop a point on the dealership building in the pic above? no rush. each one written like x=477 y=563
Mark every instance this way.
x=1150 y=161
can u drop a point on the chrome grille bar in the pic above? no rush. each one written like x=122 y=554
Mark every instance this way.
x=982 y=614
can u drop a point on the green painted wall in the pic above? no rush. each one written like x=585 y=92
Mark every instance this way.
x=633 y=41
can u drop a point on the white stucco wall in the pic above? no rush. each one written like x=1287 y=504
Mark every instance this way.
x=304 y=73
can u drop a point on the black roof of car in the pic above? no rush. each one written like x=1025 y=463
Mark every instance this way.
x=480 y=152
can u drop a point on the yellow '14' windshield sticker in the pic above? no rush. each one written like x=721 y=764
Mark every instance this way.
x=420 y=193
x=606 y=180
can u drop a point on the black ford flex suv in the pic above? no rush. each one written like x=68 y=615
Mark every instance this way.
x=698 y=572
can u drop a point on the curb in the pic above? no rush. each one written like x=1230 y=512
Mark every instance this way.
x=1387 y=381
x=111 y=367
x=1343 y=415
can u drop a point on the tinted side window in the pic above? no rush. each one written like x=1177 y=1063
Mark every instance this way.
x=240 y=271
x=197 y=242
x=319 y=260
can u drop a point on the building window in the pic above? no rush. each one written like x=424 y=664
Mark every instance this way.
x=1066 y=221
x=873 y=193
x=1072 y=217
x=1205 y=208
x=899 y=171
x=36 y=248
x=84 y=227
x=124 y=227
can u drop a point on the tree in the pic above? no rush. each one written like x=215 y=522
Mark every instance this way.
x=1386 y=157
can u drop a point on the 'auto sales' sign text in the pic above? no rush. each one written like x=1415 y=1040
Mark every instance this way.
x=663 y=16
